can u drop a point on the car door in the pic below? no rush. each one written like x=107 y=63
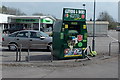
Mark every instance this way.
x=36 y=41
x=22 y=39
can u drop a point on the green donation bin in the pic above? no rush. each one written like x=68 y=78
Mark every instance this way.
x=70 y=35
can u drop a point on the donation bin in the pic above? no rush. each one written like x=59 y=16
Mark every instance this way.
x=70 y=35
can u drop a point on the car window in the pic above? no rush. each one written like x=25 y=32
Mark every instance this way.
x=13 y=34
x=43 y=34
x=34 y=35
x=23 y=34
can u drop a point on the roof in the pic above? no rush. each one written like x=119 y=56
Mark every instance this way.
x=31 y=17
x=4 y=18
x=97 y=22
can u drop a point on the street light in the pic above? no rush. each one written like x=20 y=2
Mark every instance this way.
x=84 y=6
x=93 y=41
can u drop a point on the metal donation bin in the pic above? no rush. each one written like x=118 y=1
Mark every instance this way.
x=70 y=35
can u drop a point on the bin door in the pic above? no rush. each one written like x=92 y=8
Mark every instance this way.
x=73 y=38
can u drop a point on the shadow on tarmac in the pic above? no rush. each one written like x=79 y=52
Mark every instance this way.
x=25 y=50
x=39 y=58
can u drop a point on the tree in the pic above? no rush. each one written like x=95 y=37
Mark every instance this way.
x=4 y=9
x=104 y=16
x=12 y=11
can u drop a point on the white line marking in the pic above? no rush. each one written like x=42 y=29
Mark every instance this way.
x=113 y=38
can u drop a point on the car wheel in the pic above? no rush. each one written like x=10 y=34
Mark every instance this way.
x=12 y=47
x=50 y=47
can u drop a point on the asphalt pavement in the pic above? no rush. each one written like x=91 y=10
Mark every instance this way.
x=40 y=65
x=104 y=69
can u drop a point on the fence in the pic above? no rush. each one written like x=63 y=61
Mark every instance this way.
x=19 y=52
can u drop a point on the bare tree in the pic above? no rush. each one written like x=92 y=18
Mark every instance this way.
x=12 y=11
x=104 y=16
x=4 y=9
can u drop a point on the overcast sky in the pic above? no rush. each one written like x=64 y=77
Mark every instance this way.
x=55 y=8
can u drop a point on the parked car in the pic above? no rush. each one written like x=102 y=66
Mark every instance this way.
x=118 y=29
x=28 y=39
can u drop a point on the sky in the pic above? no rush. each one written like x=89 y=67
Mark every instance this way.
x=55 y=8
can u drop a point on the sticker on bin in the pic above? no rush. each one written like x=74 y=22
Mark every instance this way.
x=80 y=37
x=73 y=53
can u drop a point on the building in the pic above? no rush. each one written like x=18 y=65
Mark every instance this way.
x=45 y=23
x=4 y=21
x=41 y=23
x=101 y=28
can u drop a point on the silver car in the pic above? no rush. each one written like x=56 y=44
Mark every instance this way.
x=27 y=39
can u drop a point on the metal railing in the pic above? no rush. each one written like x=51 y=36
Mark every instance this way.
x=28 y=55
x=115 y=41
x=110 y=44
x=18 y=51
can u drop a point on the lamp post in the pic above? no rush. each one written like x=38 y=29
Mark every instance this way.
x=39 y=24
x=93 y=41
x=84 y=6
x=119 y=40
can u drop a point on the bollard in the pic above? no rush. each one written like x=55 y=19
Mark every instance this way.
x=20 y=52
x=51 y=55
x=16 y=51
x=119 y=40
x=110 y=49
x=17 y=54
x=28 y=56
x=110 y=46
x=119 y=47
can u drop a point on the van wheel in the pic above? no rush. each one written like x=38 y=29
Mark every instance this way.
x=12 y=47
